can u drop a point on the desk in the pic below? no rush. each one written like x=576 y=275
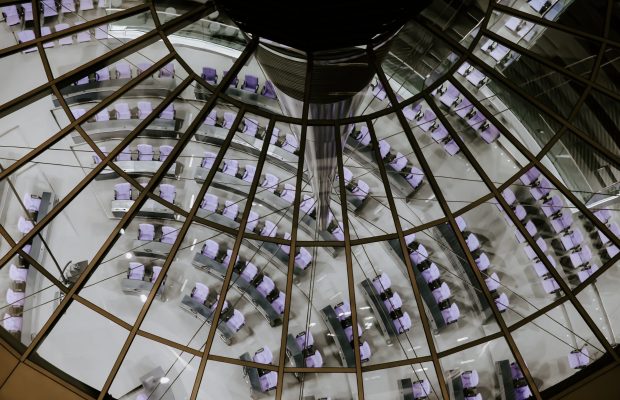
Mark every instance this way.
x=251 y=373
x=147 y=248
x=248 y=291
x=506 y=383
x=140 y=168
x=120 y=128
x=455 y=388
x=256 y=99
x=347 y=355
x=276 y=155
x=139 y=287
x=194 y=307
x=381 y=313
x=99 y=90
x=150 y=208
x=458 y=260
x=36 y=306
x=155 y=388
x=432 y=307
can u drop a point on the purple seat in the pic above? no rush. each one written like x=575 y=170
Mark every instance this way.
x=167 y=71
x=428 y=121
x=492 y=282
x=470 y=379
x=379 y=92
x=451 y=314
x=250 y=126
x=531 y=254
x=169 y=234
x=208 y=160
x=122 y=191
x=441 y=293
x=209 y=202
x=585 y=272
x=578 y=359
x=509 y=196
x=472 y=242
x=144 y=109
x=167 y=192
x=268 y=90
x=581 y=258
x=614 y=228
x=363 y=136
x=550 y=285
x=562 y=223
x=146 y=232
x=381 y=282
x=415 y=176
x=451 y=147
x=476 y=120
x=603 y=215
x=489 y=133
x=460 y=222
x=440 y=134
x=572 y=240
x=450 y=97
x=211 y=249
x=464 y=109
x=143 y=66
x=135 y=271
x=168 y=112
x=211 y=119
x=530 y=177
x=210 y=75
x=552 y=206
x=49 y=8
x=11 y=15
x=235 y=80
x=145 y=152
x=124 y=155
x=229 y=118
x=200 y=292
x=103 y=74
x=502 y=302
x=412 y=110
x=250 y=83
x=164 y=152
x=542 y=189
x=483 y=262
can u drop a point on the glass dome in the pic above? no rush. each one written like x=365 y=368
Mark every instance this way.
x=160 y=231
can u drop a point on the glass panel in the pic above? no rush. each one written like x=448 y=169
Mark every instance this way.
x=417 y=380
x=81 y=332
x=155 y=370
x=27 y=73
x=564 y=344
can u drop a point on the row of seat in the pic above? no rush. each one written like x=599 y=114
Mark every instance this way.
x=122 y=111
x=268 y=380
x=343 y=312
x=252 y=128
x=250 y=83
x=392 y=302
x=607 y=247
x=143 y=152
x=124 y=70
x=16 y=293
x=246 y=173
x=232 y=317
x=450 y=97
x=492 y=280
x=123 y=191
x=521 y=389
x=137 y=271
x=418 y=254
x=397 y=162
x=147 y=232
x=101 y=32
x=312 y=356
x=15 y=14
x=249 y=272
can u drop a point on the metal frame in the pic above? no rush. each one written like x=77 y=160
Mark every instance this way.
x=54 y=85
